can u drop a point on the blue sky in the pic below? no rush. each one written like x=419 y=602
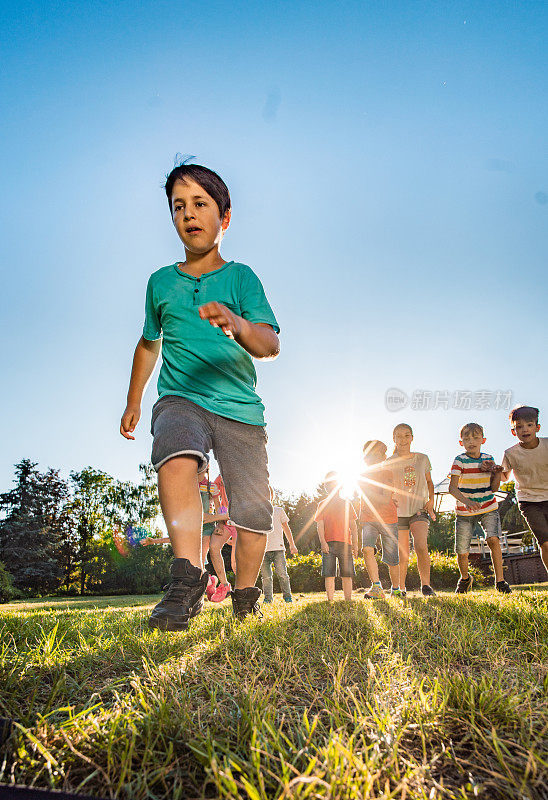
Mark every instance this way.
x=389 y=176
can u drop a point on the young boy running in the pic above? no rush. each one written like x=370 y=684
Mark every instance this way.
x=474 y=478
x=338 y=535
x=379 y=517
x=209 y=317
x=528 y=460
x=275 y=556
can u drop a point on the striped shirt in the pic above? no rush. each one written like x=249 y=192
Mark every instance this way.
x=474 y=483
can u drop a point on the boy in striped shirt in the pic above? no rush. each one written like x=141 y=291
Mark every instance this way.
x=474 y=478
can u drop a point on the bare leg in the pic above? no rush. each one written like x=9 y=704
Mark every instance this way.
x=544 y=554
x=394 y=575
x=462 y=561
x=233 y=557
x=205 y=547
x=217 y=559
x=182 y=507
x=250 y=549
x=371 y=564
x=496 y=557
x=419 y=532
x=347 y=588
x=330 y=588
x=403 y=547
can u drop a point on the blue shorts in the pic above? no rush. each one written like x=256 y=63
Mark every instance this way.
x=341 y=552
x=464 y=529
x=388 y=532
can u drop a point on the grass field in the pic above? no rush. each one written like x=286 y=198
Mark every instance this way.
x=446 y=697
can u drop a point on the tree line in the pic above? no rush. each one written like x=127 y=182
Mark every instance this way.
x=62 y=536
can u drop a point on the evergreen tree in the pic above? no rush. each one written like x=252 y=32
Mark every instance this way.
x=31 y=532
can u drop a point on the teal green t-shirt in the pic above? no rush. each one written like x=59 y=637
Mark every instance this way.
x=198 y=361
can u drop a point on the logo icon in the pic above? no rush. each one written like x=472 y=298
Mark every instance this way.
x=395 y=399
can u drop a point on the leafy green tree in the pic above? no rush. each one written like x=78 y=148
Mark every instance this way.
x=441 y=533
x=91 y=508
x=101 y=505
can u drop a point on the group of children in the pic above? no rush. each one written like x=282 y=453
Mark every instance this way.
x=397 y=501
x=210 y=318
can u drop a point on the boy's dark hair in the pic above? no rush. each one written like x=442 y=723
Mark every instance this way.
x=471 y=427
x=206 y=178
x=526 y=413
x=403 y=425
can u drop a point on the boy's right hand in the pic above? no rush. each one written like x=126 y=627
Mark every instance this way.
x=130 y=418
x=471 y=505
x=325 y=549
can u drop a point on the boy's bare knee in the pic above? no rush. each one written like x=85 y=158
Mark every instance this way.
x=492 y=541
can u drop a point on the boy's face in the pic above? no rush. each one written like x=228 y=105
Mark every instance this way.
x=472 y=442
x=403 y=438
x=525 y=430
x=196 y=217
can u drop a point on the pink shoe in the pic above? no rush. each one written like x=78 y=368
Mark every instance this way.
x=221 y=592
x=211 y=585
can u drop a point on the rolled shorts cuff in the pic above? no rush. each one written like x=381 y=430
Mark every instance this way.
x=203 y=459
x=247 y=528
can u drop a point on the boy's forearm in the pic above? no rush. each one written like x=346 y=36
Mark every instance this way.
x=458 y=495
x=207 y=517
x=495 y=481
x=354 y=536
x=260 y=341
x=288 y=535
x=144 y=361
x=321 y=537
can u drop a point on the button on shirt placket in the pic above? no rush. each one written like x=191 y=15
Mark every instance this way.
x=197 y=292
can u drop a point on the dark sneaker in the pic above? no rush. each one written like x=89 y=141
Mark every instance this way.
x=464 y=585
x=183 y=600
x=502 y=586
x=428 y=591
x=246 y=602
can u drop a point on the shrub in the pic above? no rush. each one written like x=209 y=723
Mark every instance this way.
x=7 y=589
x=305 y=573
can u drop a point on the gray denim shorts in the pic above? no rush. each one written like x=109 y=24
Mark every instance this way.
x=465 y=526
x=405 y=522
x=180 y=427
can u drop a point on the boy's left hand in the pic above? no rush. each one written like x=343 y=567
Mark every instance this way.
x=490 y=466
x=219 y=316
x=293 y=550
